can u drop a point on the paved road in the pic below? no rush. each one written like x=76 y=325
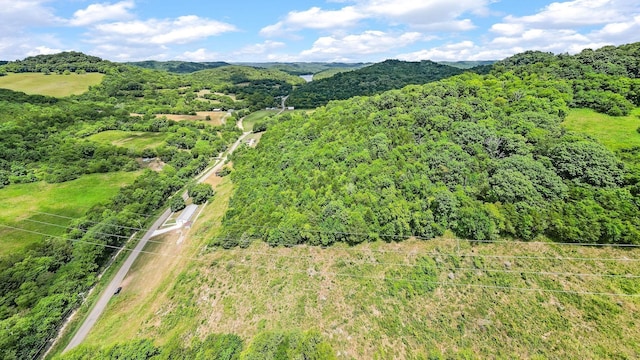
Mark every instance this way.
x=99 y=307
x=114 y=284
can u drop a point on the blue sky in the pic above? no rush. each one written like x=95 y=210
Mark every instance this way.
x=312 y=30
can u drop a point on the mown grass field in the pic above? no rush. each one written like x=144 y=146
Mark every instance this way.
x=22 y=205
x=51 y=85
x=137 y=140
x=614 y=132
x=256 y=116
x=404 y=300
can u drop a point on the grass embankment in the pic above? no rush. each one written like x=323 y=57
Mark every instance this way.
x=137 y=140
x=614 y=132
x=22 y=203
x=254 y=117
x=52 y=85
x=386 y=300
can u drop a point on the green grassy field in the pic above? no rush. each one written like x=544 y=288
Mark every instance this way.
x=614 y=132
x=21 y=204
x=51 y=85
x=442 y=298
x=137 y=140
x=252 y=118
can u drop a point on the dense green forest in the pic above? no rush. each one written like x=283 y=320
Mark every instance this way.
x=66 y=61
x=178 y=67
x=467 y=64
x=483 y=156
x=387 y=75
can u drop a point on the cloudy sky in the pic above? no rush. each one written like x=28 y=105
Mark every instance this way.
x=312 y=30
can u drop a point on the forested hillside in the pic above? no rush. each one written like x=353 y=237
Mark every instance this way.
x=482 y=156
x=178 y=67
x=387 y=75
x=66 y=61
x=606 y=80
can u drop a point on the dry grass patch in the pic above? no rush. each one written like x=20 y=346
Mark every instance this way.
x=217 y=117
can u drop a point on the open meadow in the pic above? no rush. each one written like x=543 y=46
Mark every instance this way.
x=51 y=85
x=137 y=140
x=24 y=206
x=256 y=116
x=614 y=132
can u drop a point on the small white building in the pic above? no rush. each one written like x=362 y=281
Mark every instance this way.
x=186 y=214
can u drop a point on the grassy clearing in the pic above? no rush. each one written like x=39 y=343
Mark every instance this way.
x=386 y=300
x=21 y=202
x=51 y=85
x=252 y=118
x=614 y=132
x=137 y=140
x=217 y=117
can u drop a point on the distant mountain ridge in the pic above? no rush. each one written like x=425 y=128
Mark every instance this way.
x=178 y=67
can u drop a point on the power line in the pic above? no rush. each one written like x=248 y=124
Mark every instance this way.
x=463 y=269
x=91 y=222
x=497 y=287
x=452 y=254
x=86 y=231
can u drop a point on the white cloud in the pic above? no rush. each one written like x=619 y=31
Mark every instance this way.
x=579 y=13
x=95 y=13
x=43 y=50
x=182 y=30
x=314 y=18
x=349 y=47
x=259 y=49
x=16 y=15
x=620 y=32
x=435 y=15
x=507 y=29
x=199 y=55
x=422 y=13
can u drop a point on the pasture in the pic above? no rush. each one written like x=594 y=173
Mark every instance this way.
x=51 y=85
x=136 y=140
x=23 y=204
x=614 y=132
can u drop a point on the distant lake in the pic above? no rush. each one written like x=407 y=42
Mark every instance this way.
x=308 y=78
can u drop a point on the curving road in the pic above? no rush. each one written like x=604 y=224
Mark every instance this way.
x=99 y=307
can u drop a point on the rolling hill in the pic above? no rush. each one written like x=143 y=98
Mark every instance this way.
x=387 y=75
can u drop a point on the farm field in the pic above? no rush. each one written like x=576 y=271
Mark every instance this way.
x=614 y=132
x=22 y=204
x=443 y=297
x=137 y=140
x=51 y=85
